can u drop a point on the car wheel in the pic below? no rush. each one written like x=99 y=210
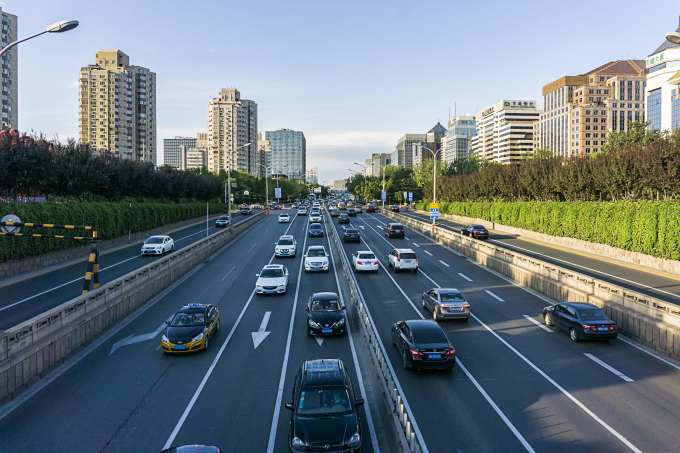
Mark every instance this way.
x=573 y=335
x=435 y=313
x=217 y=326
x=205 y=345
x=415 y=271
x=548 y=320
x=404 y=360
x=422 y=302
x=396 y=269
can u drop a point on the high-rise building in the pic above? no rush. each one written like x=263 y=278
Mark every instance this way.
x=573 y=104
x=118 y=107
x=380 y=161
x=289 y=153
x=505 y=131
x=663 y=86
x=193 y=158
x=368 y=167
x=232 y=124
x=457 y=142
x=433 y=141
x=10 y=79
x=403 y=154
x=312 y=175
x=171 y=150
x=340 y=185
x=264 y=150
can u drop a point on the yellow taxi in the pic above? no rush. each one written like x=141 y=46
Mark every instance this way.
x=342 y=205
x=335 y=212
x=190 y=329
x=350 y=204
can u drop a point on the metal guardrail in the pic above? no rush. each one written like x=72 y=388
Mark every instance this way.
x=15 y=343
x=404 y=421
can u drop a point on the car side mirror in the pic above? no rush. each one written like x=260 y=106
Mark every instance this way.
x=167 y=322
x=359 y=402
x=257 y=275
x=289 y=406
x=344 y=308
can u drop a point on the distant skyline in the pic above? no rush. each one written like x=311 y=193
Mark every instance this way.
x=353 y=76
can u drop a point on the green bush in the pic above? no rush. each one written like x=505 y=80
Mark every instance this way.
x=649 y=227
x=111 y=220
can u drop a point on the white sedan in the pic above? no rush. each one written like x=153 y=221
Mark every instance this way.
x=158 y=245
x=315 y=218
x=364 y=261
x=316 y=259
x=272 y=280
x=284 y=218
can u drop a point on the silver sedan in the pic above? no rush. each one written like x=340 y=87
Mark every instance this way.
x=446 y=303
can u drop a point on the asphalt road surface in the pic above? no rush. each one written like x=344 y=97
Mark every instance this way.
x=24 y=298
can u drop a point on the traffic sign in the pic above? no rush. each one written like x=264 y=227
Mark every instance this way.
x=434 y=206
x=277 y=192
x=434 y=213
x=405 y=195
x=410 y=196
x=383 y=195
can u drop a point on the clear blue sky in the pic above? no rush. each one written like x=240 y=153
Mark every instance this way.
x=352 y=75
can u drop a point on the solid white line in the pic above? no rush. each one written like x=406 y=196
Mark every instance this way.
x=538 y=323
x=282 y=379
x=444 y=263
x=228 y=273
x=610 y=368
x=466 y=278
x=428 y=252
x=493 y=295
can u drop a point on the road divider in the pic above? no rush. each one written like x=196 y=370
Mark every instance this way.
x=647 y=320
x=31 y=349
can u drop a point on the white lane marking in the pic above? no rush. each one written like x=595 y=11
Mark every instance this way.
x=493 y=295
x=610 y=368
x=228 y=273
x=282 y=379
x=428 y=252
x=193 y=234
x=260 y=335
x=444 y=263
x=631 y=343
x=538 y=323
x=360 y=378
x=465 y=277
x=132 y=339
x=460 y=363
x=252 y=246
x=416 y=244
x=319 y=339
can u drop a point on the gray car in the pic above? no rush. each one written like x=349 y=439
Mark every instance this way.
x=446 y=303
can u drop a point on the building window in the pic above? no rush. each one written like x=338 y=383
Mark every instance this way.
x=675 y=114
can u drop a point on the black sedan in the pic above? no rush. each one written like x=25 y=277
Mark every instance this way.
x=351 y=212
x=246 y=211
x=325 y=316
x=350 y=234
x=475 y=231
x=394 y=208
x=222 y=221
x=423 y=345
x=315 y=229
x=582 y=321
x=344 y=218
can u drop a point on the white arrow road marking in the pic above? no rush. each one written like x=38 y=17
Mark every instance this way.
x=362 y=227
x=416 y=244
x=444 y=263
x=465 y=277
x=132 y=339
x=260 y=335
x=493 y=295
x=612 y=369
x=537 y=323
x=320 y=340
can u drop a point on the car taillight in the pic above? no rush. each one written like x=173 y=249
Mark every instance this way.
x=399 y=257
x=359 y=262
x=478 y=231
x=588 y=327
x=415 y=353
x=466 y=307
x=391 y=231
x=451 y=352
x=375 y=263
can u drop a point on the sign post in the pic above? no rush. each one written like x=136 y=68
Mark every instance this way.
x=410 y=200
x=434 y=212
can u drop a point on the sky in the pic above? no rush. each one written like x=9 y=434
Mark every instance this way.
x=354 y=76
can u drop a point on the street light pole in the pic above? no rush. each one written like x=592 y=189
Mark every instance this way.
x=59 y=27
x=231 y=227
x=434 y=176
x=266 y=183
x=365 y=185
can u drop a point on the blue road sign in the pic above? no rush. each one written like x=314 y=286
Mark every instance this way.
x=410 y=196
x=383 y=195
x=434 y=213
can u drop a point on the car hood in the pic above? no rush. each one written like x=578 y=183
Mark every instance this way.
x=316 y=259
x=336 y=430
x=271 y=281
x=326 y=318
x=183 y=334
x=151 y=246
x=279 y=247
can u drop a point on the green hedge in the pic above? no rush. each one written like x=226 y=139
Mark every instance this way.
x=649 y=227
x=111 y=220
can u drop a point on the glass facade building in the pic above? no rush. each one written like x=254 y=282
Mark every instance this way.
x=457 y=142
x=171 y=151
x=654 y=109
x=288 y=153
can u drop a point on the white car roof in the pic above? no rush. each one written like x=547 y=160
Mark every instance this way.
x=405 y=250
x=273 y=266
x=159 y=236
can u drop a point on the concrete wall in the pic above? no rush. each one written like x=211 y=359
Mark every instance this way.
x=31 y=349
x=32 y=263
x=650 y=321
x=661 y=264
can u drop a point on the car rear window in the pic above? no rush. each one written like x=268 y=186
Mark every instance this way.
x=429 y=336
x=349 y=231
x=397 y=227
x=367 y=256
x=592 y=314
x=407 y=256
x=478 y=227
x=452 y=297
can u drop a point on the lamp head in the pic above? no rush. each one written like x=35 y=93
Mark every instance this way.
x=673 y=37
x=62 y=26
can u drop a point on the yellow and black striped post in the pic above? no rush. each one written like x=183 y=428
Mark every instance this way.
x=92 y=273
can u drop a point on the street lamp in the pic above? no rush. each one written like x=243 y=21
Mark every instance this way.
x=59 y=27
x=434 y=180
x=673 y=37
x=364 y=167
x=231 y=227
x=266 y=183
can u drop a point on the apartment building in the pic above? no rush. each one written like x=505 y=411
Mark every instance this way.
x=264 y=150
x=289 y=153
x=368 y=167
x=193 y=158
x=339 y=185
x=312 y=175
x=457 y=142
x=580 y=111
x=663 y=85
x=10 y=77
x=232 y=124
x=505 y=131
x=118 y=107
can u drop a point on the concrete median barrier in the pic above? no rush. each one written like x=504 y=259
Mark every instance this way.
x=31 y=349
x=645 y=319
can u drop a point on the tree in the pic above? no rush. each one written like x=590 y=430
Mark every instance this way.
x=637 y=136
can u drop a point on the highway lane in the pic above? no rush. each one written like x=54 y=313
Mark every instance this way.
x=138 y=399
x=646 y=281
x=539 y=400
x=25 y=298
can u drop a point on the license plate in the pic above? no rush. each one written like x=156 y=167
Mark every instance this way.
x=317 y=268
x=180 y=347
x=603 y=328
x=407 y=261
x=326 y=330
x=454 y=309
x=434 y=356
x=270 y=292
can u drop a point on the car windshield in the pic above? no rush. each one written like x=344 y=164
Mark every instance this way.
x=154 y=241
x=397 y=227
x=452 y=297
x=315 y=226
x=592 y=314
x=271 y=273
x=349 y=231
x=429 y=336
x=188 y=320
x=324 y=400
x=283 y=215
x=223 y=217
x=285 y=242
x=366 y=256
x=407 y=256
x=325 y=305
x=315 y=253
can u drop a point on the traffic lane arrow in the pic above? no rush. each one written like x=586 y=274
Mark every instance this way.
x=136 y=339
x=260 y=335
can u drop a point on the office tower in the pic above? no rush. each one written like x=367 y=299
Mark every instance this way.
x=312 y=175
x=380 y=161
x=232 y=124
x=289 y=153
x=403 y=154
x=171 y=150
x=264 y=150
x=457 y=142
x=118 y=107
x=433 y=141
x=10 y=85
